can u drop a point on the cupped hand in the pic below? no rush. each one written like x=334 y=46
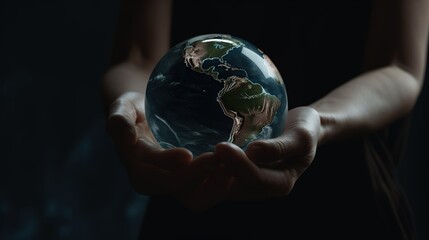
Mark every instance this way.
x=267 y=169
x=270 y=168
x=154 y=170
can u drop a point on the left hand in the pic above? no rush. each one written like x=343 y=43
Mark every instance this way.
x=156 y=171
x=270 y=168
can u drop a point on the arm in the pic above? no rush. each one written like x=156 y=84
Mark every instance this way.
x=395 y=63
x=385 y=91
x=142 y=37
x=141 y=40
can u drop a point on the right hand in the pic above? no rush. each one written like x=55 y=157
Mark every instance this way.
x=154 y=170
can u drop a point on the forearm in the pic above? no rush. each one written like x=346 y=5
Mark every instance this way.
x=395 y=63
x=367 y=103
x=141 y=39
x=124 y=77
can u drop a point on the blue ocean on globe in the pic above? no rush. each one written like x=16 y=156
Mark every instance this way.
x=215 y=88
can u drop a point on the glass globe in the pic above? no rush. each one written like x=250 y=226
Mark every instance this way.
x=214 y=88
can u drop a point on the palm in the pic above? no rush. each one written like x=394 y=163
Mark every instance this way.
x=152 y=169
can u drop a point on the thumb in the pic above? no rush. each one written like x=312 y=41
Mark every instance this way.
x=300 y=138
x=121 y=123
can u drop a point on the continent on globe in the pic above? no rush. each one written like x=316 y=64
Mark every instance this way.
x=249 y=106
x=210 y=79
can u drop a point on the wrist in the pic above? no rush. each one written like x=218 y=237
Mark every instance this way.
x=327 y=126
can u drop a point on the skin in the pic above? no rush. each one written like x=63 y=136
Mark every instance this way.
x=387 y=90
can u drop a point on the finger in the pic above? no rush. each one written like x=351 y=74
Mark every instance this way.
x=164 y=171
x=237 y=162
x=280 y=152
x=206 y=163
x=300 y=138
x=272 y=183
x=168 y=159
x=270 y=152
x=121 y=123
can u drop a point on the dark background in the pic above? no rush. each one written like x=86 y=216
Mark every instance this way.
x=59 y=175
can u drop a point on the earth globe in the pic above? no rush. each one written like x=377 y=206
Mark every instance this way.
x=215 y=88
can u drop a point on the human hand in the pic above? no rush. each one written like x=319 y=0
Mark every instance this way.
x=156 y=171
x=270 y=168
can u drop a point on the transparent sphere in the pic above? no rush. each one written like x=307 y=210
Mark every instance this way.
x=215 y=88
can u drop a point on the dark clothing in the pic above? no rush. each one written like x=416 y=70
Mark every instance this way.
x=350 y=191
